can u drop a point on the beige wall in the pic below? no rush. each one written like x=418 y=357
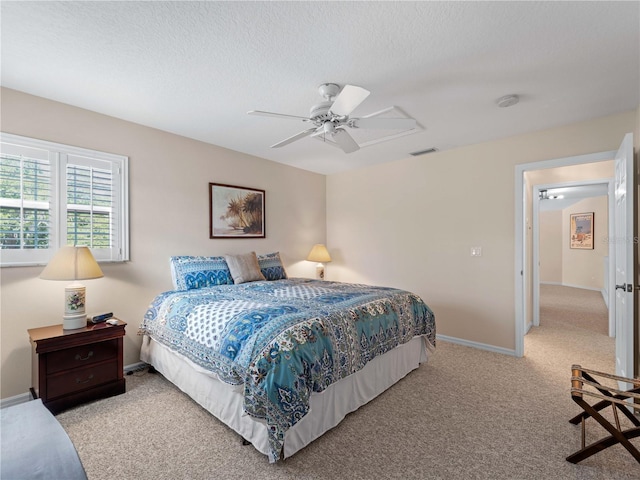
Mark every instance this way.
x=563 y=265
x=585 y=268
x=169 y=178
x=411 y=224
x=550 y=246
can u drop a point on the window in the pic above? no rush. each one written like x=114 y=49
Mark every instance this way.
x=53 y=195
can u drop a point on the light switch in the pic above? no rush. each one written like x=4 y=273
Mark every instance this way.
x=476 y=251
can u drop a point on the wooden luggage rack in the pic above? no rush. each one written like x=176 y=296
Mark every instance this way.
x=584 y=383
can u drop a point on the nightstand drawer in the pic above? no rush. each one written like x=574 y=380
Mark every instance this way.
x=81 y=378
x=78 y=357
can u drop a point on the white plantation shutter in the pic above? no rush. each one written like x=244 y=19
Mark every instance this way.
x=26 y=192
x=53 y=195
x=92 y=202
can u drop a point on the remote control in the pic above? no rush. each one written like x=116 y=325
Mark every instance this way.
x=101 y=317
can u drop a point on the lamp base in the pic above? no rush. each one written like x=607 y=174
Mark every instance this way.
x=75 y=315
x=320 y=271
x=74 y=322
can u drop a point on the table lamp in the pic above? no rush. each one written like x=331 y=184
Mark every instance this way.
x=73 y=263
x=319 y=254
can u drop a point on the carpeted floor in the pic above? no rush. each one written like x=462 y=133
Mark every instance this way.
x=467 y=414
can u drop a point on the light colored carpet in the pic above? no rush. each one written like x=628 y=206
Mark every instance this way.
x=467 y=414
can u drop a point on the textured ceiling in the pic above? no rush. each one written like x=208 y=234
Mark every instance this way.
x=196 y=68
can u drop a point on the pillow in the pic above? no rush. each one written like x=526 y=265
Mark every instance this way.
x=189 y=273
x=271 y=266
x=244 y=268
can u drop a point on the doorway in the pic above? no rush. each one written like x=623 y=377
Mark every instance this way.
x=580 y=267
x=623 y=243
x=523 y=234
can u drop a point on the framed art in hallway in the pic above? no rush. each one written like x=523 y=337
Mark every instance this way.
x=581 y=231
x=236 y=212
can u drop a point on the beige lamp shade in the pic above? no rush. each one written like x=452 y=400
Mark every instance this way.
x=319 y=254
x=72 y=263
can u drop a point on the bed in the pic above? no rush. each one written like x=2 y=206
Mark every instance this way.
x=281 y=360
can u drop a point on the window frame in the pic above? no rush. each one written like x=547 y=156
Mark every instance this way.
x=59 y=157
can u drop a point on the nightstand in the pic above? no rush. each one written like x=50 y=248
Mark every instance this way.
x=70 y=367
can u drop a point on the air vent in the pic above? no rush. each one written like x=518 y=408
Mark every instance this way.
x=424 y=152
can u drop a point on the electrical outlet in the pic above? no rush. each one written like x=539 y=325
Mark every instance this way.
x=476 y=251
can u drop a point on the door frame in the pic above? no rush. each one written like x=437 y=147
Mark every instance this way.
x=611 y=277
x=523 y=277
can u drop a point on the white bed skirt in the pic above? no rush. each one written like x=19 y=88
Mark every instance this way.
x=327 y=408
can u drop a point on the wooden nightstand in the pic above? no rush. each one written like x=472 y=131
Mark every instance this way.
x=70 y=367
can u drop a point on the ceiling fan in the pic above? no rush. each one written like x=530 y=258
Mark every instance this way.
x=330 y=117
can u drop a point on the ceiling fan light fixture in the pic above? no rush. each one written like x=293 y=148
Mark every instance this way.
x=329 y=128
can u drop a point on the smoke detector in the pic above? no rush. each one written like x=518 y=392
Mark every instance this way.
x=508 y=100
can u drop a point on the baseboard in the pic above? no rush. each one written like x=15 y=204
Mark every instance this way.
x=605 y=297
x=134 y=367
x=560 y=284
x=25 y=397
x=15 y=400
x=478 y=345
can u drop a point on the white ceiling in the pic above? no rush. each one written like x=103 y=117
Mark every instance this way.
x=196 y=68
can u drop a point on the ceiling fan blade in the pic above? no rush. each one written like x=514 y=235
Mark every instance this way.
x=384 y=123
x=345 y=141
x=277 y=115
x=348 y=99
x=297 y=136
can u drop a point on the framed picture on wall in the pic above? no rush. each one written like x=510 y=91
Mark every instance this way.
x=581 y=231
x=236 y=212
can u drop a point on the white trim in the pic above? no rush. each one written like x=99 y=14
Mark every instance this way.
x=593 y=289
x=520 y=272
x=478 y=345
x=135 y=367
x=15 y=400
x=559 y=284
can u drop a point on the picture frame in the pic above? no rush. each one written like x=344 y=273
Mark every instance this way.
x=581 y=231
x=236 y=212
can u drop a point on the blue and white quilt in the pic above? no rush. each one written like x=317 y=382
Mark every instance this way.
x=285 y=339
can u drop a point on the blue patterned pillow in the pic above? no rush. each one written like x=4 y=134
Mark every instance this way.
x=189 y=273
x=271 y=266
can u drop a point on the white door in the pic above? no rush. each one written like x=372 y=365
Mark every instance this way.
x=624 y=260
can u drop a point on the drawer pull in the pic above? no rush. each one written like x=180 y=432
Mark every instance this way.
x=89 y=355
x=89 y=378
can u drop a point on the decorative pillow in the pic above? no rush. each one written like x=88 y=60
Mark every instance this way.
x=271 y=266
x=189 y=272
x=244 y=268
